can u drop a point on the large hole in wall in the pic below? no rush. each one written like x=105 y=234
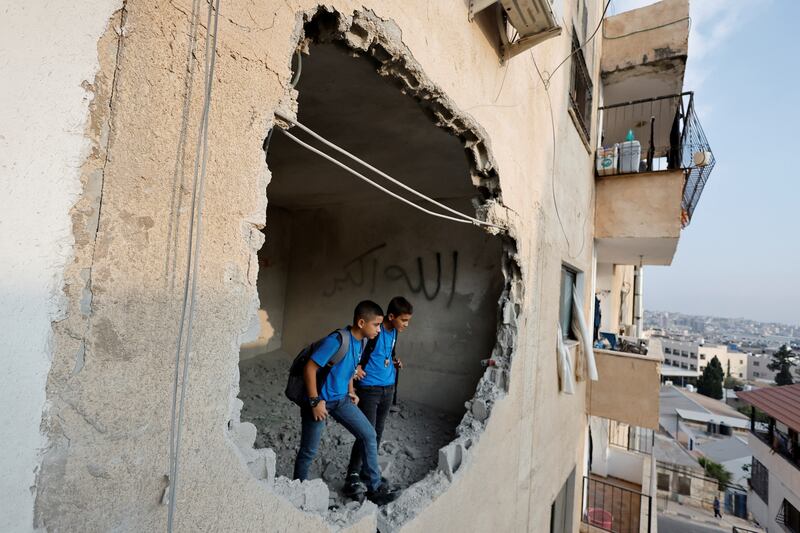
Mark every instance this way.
x=332 y=240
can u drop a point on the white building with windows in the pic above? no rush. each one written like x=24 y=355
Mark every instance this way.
x=774 y=498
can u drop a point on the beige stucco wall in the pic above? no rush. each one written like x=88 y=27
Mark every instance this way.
x=627 y=390
x=645 y=51
x=107 y=423
x=638 y=217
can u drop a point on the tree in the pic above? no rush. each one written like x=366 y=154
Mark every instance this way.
x=710 y=383
x=783 y=361
x=717 y=471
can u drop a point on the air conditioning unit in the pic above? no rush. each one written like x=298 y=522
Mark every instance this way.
x=534 y=21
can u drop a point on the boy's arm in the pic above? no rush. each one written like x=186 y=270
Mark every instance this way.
x=310 y=378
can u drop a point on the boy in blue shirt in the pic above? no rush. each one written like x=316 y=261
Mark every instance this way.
x=376 y=377
x=336 y=397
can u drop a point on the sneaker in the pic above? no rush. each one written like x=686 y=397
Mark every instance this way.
x=383 y=495
x=353 y=486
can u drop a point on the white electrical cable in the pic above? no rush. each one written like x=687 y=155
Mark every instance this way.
x=465 y=220
x=384 y=175
x=194 y=255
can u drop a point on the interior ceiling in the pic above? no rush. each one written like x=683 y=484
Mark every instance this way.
x=345 y=100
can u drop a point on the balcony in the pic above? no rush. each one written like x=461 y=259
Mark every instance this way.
x=648 y=188
x=627 y=390
x=619 y=507
x=644 y=51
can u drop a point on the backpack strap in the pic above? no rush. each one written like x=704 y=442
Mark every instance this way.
x=344 y=346
x=367 y=351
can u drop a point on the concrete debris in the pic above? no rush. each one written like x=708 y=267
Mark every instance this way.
x=450 y=458
x=310 y=495
x=412 y=436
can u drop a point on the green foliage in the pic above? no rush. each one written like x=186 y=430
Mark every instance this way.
x=717 y=471
x=710 y=383
x=782 y=362
x=760 y=416
x=732 y=382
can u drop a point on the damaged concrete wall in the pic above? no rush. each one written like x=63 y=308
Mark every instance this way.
x=49 y=84
x=108 y=422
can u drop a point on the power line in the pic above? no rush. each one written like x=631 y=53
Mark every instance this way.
x=384 y=189
x=466 y=218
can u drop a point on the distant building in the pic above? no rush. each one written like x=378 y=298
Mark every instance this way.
x=775 y=471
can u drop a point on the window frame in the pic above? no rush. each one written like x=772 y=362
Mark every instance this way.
x=759 y=480
x=579 y=70
x=566 y=328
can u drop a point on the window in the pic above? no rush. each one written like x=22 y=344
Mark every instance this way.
x=756 y=363
x=702 y=357
x=561 y=508
x=684 y=365
x=789 y=517
x=663 y=481
x=684 y=486
x=756 y=374
x=668 y=351
x=759 y=480
x=692 y=355
x=740 y=375
x=692 y=367
x=580 y=89
x=568 y=279
x=684 y=353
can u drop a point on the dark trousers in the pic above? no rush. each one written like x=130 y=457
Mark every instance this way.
x=375 y=403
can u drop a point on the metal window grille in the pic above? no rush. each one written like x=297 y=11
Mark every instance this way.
x=580 y=89
x=759 y=480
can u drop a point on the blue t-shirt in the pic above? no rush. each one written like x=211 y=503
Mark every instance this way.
x=380 y=367
x=338 y=381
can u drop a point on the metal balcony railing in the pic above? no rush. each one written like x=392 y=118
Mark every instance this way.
x=616 y=509
x=669 y=137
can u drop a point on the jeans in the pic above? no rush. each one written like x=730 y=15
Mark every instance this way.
x=354 y=421
x=374 y=403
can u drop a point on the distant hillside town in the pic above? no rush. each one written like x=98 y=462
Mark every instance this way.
x=744 y=334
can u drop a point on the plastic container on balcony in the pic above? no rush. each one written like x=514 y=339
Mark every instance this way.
x=630 y=153
x=607 y=160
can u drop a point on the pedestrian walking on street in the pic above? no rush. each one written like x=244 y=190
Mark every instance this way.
x=717 y=514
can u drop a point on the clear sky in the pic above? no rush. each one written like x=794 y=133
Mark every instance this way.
x=740 y=256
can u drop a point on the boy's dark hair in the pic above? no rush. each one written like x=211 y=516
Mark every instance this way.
x=366 y=309
x=400 y=306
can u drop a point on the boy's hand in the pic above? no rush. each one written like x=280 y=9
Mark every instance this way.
x=320 y=412
x=360 y=374
x=398 y=363
x=353 y=397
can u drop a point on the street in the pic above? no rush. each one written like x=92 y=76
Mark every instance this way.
x=673 y=524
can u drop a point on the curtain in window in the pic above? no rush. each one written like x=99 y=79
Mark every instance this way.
x=566 y=375
x=585 y=363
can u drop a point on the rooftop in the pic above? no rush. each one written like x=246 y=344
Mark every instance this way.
x=723 y=450
x=781 y=403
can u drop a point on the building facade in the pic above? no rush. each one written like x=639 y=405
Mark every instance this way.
x=774 y=498
x=175 y=229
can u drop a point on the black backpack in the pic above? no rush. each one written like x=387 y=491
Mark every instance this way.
x=296 y=386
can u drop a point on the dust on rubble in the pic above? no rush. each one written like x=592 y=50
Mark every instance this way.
x=411 y=439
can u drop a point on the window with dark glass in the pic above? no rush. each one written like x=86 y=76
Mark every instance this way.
x=759 y=480
x=790 y=518
x=580 y=89
x=568 y=279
